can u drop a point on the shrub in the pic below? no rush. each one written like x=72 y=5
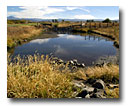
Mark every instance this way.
x=107 y=21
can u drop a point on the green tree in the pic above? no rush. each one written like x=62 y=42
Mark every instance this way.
x=107 y=20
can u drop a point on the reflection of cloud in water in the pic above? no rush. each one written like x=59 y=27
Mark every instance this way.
x=61 y=35
x=40 y=41
x=60 y=50
x=74 y=37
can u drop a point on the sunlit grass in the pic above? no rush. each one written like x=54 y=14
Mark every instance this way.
x=109 y=74
x=36 y=77
x=113 y=31
x=15 y=25
x=112 y=93
x=17 y=34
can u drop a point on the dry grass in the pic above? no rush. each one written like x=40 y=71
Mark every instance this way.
x=18 y=34
x=107 y=73
x=37 y=78
x=112 y=93
x=113 y=31
x=104 y=28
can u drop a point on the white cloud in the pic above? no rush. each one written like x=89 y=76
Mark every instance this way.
x=35 y=12
x=84 y=17
x=41 y=12
x=75 y=7
x=71 y=8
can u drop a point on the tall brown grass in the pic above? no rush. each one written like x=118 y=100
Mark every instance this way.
x=104 y=28
x=113 y=31
x=36 y=77
x=19 y=33
x=109 y=74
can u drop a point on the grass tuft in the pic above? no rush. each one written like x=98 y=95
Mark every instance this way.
x=34 y=78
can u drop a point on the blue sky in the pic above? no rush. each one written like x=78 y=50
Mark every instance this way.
x=65 y=12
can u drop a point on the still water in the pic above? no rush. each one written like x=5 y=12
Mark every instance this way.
x=86 y=49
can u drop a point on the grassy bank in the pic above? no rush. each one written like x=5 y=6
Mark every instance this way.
x=19 y=34
x=35 y=78
x=111 y=32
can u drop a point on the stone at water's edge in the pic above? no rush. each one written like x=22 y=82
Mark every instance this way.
x=99 y=84
x=107 y=60
x=92 y=89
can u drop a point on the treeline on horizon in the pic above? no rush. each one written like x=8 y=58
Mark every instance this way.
x=107 y=20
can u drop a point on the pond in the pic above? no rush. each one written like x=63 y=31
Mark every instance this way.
x=86 y=49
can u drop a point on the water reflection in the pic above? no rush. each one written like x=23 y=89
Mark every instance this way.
x=85 y=49
x=40 y=41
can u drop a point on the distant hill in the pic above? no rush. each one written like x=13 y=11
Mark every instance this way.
x=38 y=19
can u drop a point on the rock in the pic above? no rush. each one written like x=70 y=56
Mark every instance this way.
x=53 y=62
x=79 y=85
x=85 y=91
x=83 y=65
x=90 y=81
x=82 y=94
x=60 y=61
x=89 y=89
x=100 y=64
x=64 y=63
x=97 y=95
x=71 y=62
x=116 y=44
x=112 y=86
x=107 y=60
x=87 y=96
x=99 y=84
x=75 y=62
x=80 y=65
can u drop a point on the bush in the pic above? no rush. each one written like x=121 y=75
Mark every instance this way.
x=107 y=21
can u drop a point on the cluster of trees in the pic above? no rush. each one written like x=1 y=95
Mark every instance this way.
x=107 y=20
x=54 y=20
x=90 y=20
